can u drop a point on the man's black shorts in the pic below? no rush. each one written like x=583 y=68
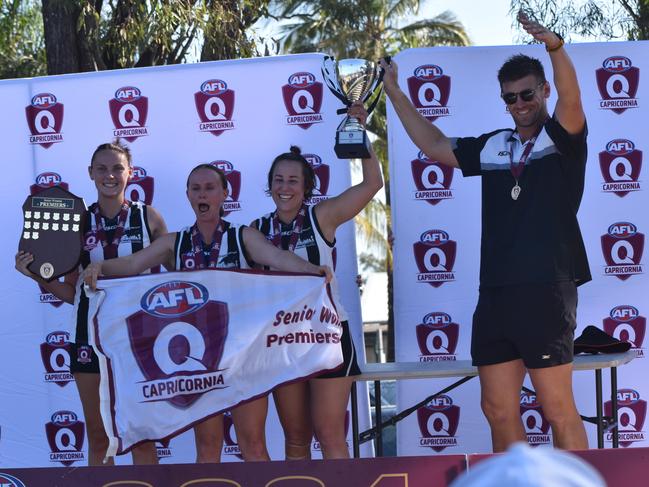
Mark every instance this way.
x=533 y=322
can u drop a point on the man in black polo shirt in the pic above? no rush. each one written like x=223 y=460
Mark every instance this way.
x=532 y=253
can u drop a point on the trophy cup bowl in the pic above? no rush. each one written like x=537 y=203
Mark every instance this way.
x=352 y=80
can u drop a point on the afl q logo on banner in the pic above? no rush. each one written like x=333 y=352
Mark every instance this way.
x=625 y=323
x=7 y=480
x=322 y=173
x=215 y=106
x=432 y=179
x=65 y=435
x=233 y=180
x=45 y=120
x=429 y=90
x=437 y=337
x=438 y=421
x=129 y=110
x=55 y=353
x=620 y=164
x=302 y=99
x=435 y=257
x=622 y=247
x=631 y=414
x=617 y=81
x=177 y=340
x=140 y=186
x=534 y=422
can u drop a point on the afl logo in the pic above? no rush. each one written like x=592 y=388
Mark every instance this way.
x=314 y=160
x=43 y=100
x=128 y=93
x=434 y=237
x=7 y=480
x=213 y=87
x=624 y=313
x=440 y=403
x=301 y=80
x=438 y=319
x=622 y=230
x=139 y=173
x=620 y=147
x=428 y=72
x=48 y=179
x=174 y=298
x=64 y=418
x=617 y=64
x=225 y=166
x=626 y=397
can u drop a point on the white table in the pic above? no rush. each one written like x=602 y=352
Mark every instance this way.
x=465 y=371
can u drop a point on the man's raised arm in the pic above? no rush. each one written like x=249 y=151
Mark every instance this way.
x=569 y=110
x=430 y=140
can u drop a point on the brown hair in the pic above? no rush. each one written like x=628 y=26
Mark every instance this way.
x=116 y=146
x=295 y=154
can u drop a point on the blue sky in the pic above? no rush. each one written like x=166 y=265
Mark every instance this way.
x=488 y=23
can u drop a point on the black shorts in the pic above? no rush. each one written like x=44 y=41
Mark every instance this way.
x=82 y=356
x=83 y=359
x=532 y=322
x=350 y=365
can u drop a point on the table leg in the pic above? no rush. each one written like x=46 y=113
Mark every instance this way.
x=355 y=433
x=600 y=416
x=614 y=430
x=379 y=419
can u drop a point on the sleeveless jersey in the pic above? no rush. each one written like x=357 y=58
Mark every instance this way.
x=311 y=245
x=137 y=235
x=232 y=254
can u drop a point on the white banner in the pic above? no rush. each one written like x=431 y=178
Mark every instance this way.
x=436 y=217
x=176 y=348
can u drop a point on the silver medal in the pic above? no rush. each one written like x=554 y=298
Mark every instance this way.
x=516 y=191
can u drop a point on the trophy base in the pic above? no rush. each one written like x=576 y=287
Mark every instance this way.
x=352 y=145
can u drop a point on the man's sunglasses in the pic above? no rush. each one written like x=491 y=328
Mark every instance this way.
x=526 y=95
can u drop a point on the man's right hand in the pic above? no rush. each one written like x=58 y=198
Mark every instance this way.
x=390 y=77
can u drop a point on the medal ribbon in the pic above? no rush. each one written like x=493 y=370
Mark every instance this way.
x=215 y=246
x=517 y=169
x=298 y=223
x=110 y=248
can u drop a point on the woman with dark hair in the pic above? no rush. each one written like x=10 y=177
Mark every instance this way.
x=310 y=231
x=114 y=227
x=214 y=243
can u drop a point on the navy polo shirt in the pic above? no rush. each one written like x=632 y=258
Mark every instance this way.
x=536 y=238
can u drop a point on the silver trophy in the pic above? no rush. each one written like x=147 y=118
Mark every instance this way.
x=352 y=80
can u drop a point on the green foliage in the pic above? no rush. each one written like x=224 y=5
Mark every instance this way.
x=368 y=29
x=22 y=47
x=601 y=19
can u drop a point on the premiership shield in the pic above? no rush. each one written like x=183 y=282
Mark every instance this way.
x=53 y=224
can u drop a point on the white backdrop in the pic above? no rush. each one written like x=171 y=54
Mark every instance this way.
x=436 y=204
x=257 y=104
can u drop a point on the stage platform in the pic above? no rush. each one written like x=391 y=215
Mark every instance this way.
x=619 y=467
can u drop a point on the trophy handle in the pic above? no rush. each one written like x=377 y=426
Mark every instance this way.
x=377 y=83
x=329 y=74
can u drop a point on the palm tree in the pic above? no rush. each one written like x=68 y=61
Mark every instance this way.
x=367 y=29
